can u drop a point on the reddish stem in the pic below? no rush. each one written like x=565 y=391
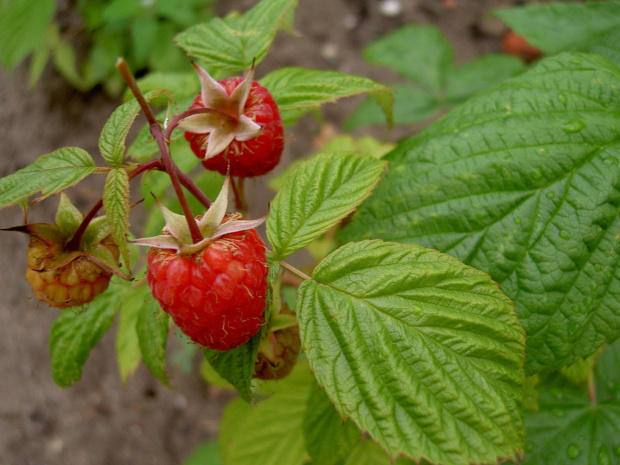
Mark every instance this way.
x=238 y=191
x=157 y=134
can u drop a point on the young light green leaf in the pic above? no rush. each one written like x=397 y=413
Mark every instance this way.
x=23 y=24
x=49 y=174
x=592 y=27
x=75 y=332
x=115 y=130
x=271 y=432
x=152 y=329
x=329 y=439
x=116 y=206
x=320 y=193
x=237 y=365
x=523 y=182
x=128 y=352
x=299 y=90
x=420 y=53
x=406 y=339
x=233 y=43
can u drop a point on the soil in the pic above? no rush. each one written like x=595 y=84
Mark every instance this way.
x=101 y=421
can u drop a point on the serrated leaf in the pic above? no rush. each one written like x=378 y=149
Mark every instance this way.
x=421 y=351
x=299 y=90
x=152 y=328
x=23 y=24
x=329 y=439
x=115 y=130
x=236 y=365
x=570 y=429
x=420 y=53
x=116 y=206
x=49 y=174
x=523 y=182
x=128 y=353
x=232 y=44
x=75 y=332
x=320 y=193
x=592 y=27
x=271 y=432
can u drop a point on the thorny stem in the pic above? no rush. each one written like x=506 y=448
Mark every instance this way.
x=157 y=134
x=74 y=243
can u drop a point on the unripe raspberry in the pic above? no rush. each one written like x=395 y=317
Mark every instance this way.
x=278 y=354
x=72 y=284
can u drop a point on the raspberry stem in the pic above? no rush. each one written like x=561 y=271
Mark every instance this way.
x=295 y=271
x=162 y=143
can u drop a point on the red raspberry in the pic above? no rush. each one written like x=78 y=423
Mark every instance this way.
x=76 y=283
x=216 y=295
x=246 y=134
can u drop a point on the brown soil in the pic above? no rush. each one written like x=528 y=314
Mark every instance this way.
x=100 y=421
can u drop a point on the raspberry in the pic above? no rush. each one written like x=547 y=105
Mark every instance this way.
x=246 y=132
x=277 y=357
x=216 y=296
x=74 y=283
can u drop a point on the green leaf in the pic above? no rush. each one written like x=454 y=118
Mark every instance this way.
x=75 y=332
x=205 y=454
x=421 y=351
x=128 y=352
x=420 y=53
x=152 y=329
x=237 y=365
x=592 y=27
x=320 y=193
x=49 y=174
x=116 y=206
x=370 y=453
x=607 y=375
x=232 y=44
x=480 y=74
x=115 y=130
x=411 y=105
x=523 y=182
x=271 y=432
x=23 y=24
x=296 y=89
x=329 y=439
x=65 y=62
x=570 y=429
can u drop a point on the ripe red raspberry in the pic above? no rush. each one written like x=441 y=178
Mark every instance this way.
x=246 y=132
x=73 y=284
x=216 y=296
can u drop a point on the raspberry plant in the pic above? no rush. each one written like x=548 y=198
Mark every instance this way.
x=467 y=313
